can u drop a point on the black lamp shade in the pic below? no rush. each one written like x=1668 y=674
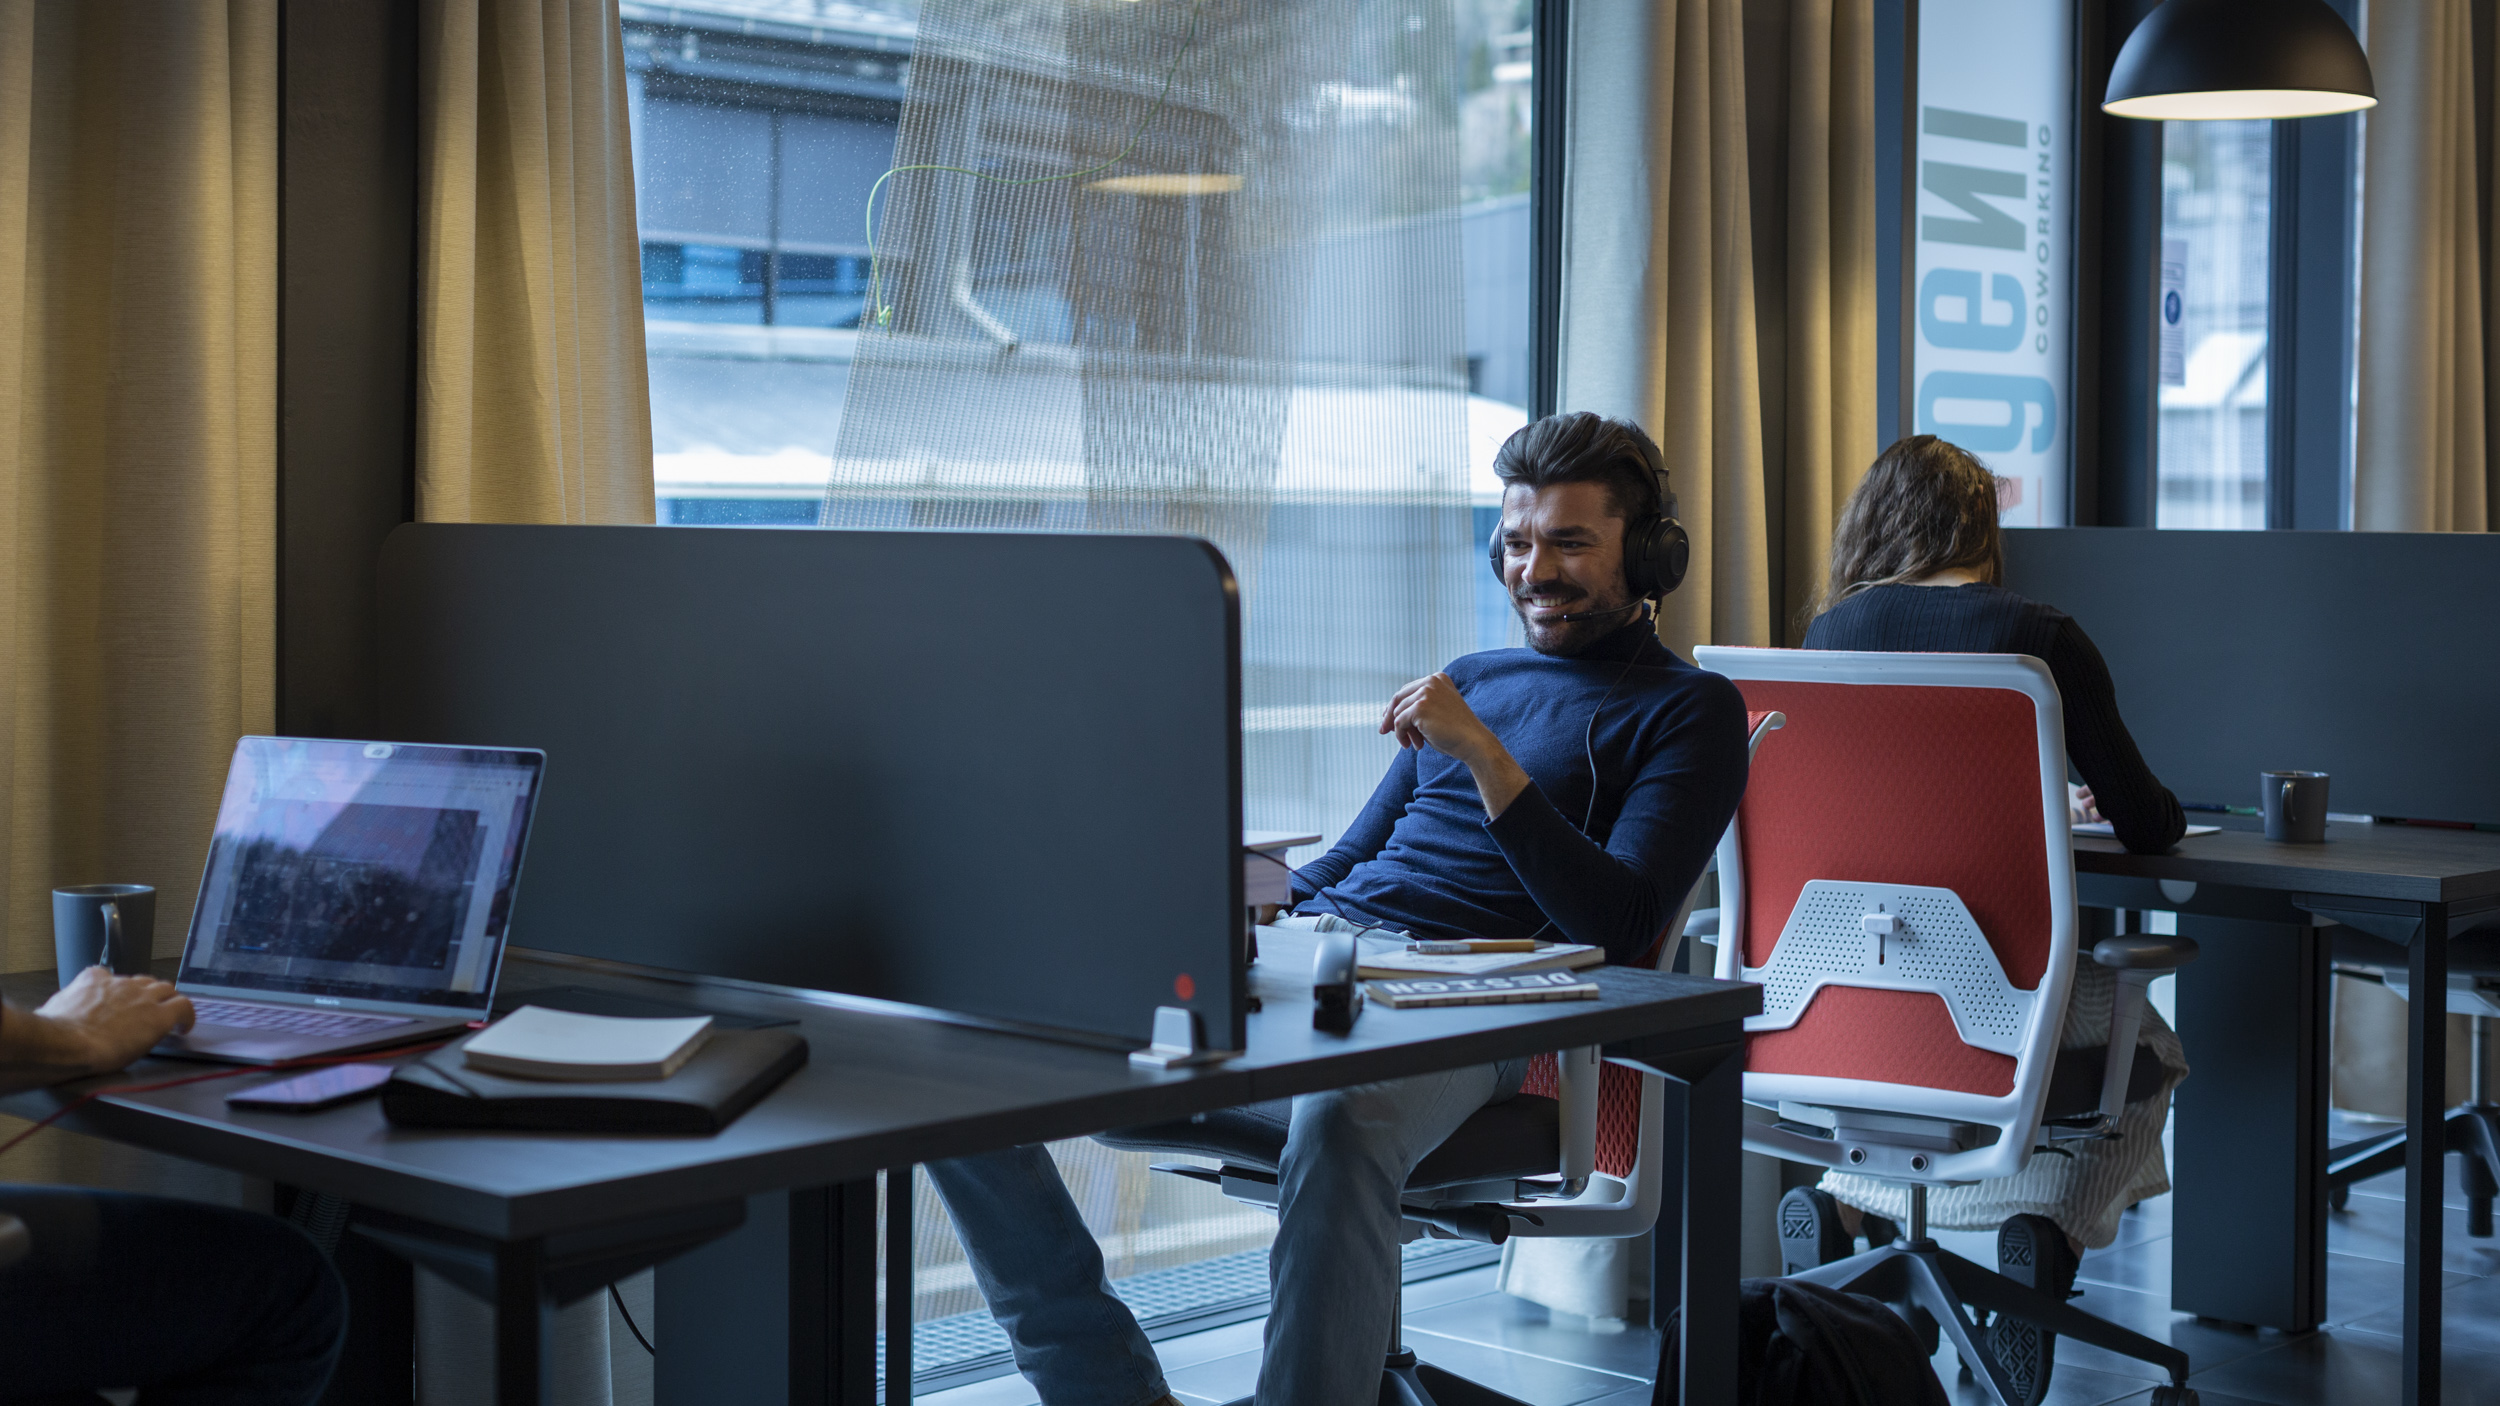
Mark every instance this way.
x=2214 y=59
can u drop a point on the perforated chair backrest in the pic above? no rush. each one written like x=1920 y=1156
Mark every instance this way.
x=1930 y=772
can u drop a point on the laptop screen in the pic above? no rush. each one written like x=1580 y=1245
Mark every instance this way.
x=370 y=871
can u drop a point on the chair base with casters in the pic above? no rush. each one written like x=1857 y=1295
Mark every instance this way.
x=1915 y=1272
x=2471 y=1129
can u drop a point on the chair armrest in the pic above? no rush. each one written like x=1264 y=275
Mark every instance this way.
x=2138 y=958
x=2144 y=951
x=15 y=1243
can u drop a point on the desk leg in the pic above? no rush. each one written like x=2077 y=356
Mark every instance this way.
x=898 y=1300
x=2426 y=1153
x=377 y=1368
x=2249 y=1150
x=522 y=1313
x=782 y=1309
x=1698 y=1241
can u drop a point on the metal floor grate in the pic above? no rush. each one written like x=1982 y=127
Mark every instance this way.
x=955 y=1351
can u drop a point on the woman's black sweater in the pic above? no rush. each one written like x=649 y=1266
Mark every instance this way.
x=1983 y=619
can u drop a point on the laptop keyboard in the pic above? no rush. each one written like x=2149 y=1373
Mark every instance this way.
x=290 y=1019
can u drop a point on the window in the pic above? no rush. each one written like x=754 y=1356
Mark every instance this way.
x=2217 y=224
x=1357 y=531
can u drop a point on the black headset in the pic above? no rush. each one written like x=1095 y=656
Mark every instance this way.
x=1656 y=548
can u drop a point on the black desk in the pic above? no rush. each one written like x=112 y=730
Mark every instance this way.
x=530 y=1220
x=2250 y=1148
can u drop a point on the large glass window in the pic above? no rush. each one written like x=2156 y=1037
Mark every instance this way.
x=2217 y=223
x=759 y=127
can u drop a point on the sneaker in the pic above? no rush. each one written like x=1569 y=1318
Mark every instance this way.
x=2032 y=1252
x=1811 y=1235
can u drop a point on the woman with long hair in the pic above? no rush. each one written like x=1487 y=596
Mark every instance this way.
x=1915 y=568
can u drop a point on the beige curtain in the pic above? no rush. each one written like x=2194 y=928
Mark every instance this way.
x=138 y=332
x=533 y=402
x=138 y=414
x=2421 y=461
x=1663 y=283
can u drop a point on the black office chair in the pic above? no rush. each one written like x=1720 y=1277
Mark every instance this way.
x=15 y=1243
x=2472 y=1128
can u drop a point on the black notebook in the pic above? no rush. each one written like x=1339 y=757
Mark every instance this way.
x=724 y=1079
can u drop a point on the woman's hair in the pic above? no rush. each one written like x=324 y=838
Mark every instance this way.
x=1925 y=506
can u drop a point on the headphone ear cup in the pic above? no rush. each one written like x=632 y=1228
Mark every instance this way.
x=1674 y=554
x=1493 y=551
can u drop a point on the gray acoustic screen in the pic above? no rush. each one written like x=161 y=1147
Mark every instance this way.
x=991 y=773
x=1193 y=266
x=2374 y=656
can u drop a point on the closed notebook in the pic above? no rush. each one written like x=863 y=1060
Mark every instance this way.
x=535 y=1042
x=1388 y=957
x=1482 y=990
x=725 y=1078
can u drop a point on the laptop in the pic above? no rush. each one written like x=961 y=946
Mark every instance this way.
x=356 y=896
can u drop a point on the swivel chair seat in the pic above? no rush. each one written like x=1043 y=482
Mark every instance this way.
x=2472 y=1128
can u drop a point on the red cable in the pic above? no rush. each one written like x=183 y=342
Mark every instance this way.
x=309 y=1062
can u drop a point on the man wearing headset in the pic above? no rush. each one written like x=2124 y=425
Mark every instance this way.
x=1573 y=789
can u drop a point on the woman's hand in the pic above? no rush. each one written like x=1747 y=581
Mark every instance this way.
x=2079 y=807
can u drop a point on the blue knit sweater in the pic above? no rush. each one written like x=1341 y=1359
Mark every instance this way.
x=1670 y=760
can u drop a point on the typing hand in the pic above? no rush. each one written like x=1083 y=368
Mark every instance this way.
x=2079 y=807
x=1430 y=713
x=114 y=1019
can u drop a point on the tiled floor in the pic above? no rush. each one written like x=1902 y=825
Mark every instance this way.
x=1461 y=1323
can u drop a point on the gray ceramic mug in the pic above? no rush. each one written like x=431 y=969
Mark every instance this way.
x=2295 y=805
x=103 y=925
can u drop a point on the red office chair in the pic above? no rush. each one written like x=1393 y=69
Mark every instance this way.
x=1899 y=880
x=1579 y=1153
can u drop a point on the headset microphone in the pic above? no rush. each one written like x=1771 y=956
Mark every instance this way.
x=1634 y=604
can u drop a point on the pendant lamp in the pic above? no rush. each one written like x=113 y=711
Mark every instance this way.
x=2210 y=60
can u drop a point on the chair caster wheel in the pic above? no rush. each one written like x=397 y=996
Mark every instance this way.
x=2173 y=1396
x=2338 y=1197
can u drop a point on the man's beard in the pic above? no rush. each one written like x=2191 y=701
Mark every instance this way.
x=1566 y=639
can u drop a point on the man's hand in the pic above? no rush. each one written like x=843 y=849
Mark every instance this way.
x=1430 y=713
x=107 y=1021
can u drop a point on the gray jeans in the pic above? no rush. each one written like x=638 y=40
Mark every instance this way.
x=1334 y=1267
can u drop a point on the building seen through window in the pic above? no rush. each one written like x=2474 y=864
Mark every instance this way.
x=2217 y=181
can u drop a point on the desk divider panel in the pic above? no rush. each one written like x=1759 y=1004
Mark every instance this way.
x=2374 y=656
x=992 y=773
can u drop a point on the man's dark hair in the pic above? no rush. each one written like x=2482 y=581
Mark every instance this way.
x=1579 y=447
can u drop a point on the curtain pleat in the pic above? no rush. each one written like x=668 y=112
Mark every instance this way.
x=138 y=418
x=533 y=399
x=2420 y=461
x=1831 y=390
